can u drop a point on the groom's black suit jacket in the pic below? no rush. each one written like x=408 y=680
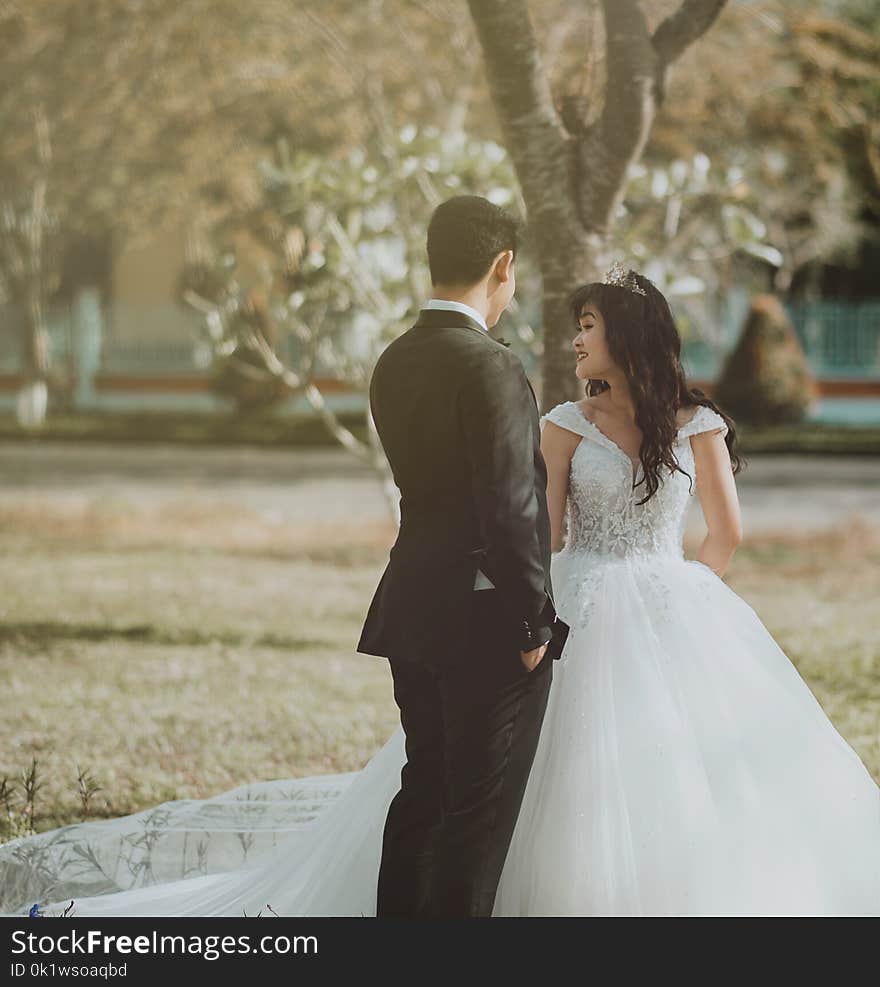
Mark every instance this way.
x=458 y=420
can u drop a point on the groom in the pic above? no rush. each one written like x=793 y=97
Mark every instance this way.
x=464 y=610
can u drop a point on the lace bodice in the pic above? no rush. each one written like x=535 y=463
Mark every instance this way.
x=604 y=516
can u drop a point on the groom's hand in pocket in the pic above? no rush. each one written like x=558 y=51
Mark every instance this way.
x=531 y=659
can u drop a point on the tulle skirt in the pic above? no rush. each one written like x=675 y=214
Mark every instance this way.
x=684 y=768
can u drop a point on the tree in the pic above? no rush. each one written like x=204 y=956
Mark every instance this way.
x=159 y=111
x=101 y=115
x=573 y=165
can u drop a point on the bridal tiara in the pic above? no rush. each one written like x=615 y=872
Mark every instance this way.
x=623 y=279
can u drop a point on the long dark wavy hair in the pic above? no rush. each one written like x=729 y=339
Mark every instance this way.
x=644 y=342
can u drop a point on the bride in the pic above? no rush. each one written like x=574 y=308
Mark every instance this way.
x=684 y=768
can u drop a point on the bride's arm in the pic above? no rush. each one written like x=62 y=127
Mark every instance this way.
x=718 y=498
x=557 y=447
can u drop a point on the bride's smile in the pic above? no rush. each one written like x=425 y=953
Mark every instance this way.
x=593 y=358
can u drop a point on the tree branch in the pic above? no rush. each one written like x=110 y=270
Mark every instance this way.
x=608 y=149
x=681 y=29
x=534 y=134
x=628 y=111
x=636 y=67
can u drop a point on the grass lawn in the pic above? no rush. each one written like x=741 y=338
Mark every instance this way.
x=183 y=650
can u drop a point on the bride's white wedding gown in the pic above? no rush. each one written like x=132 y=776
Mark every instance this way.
x=684 y=768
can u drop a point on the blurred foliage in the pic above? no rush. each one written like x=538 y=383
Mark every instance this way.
x=766 y=379
x=331 y=263
x=158 y=110
x=685 y=225
x=787 y=94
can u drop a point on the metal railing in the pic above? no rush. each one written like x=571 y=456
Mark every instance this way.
x=840 y=339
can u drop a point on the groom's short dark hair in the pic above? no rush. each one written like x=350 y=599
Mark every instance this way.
x=465 y=235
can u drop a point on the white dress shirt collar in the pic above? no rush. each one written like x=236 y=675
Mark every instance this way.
x=443 y=305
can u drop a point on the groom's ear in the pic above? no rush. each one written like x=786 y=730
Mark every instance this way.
x=503 y=266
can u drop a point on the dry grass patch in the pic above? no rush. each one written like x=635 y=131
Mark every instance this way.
x=181 y=648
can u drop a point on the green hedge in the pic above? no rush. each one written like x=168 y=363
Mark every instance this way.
x=212 y=429
x=195 y=428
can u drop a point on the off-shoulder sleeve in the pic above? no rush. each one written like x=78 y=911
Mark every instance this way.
x=703 y=420
x=567 y=416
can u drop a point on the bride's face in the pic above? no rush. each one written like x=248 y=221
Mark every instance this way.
x=593 y=358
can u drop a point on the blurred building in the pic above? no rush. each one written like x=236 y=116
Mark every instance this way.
x=130 y=345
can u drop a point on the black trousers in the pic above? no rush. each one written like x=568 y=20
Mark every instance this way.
x=472 y=728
